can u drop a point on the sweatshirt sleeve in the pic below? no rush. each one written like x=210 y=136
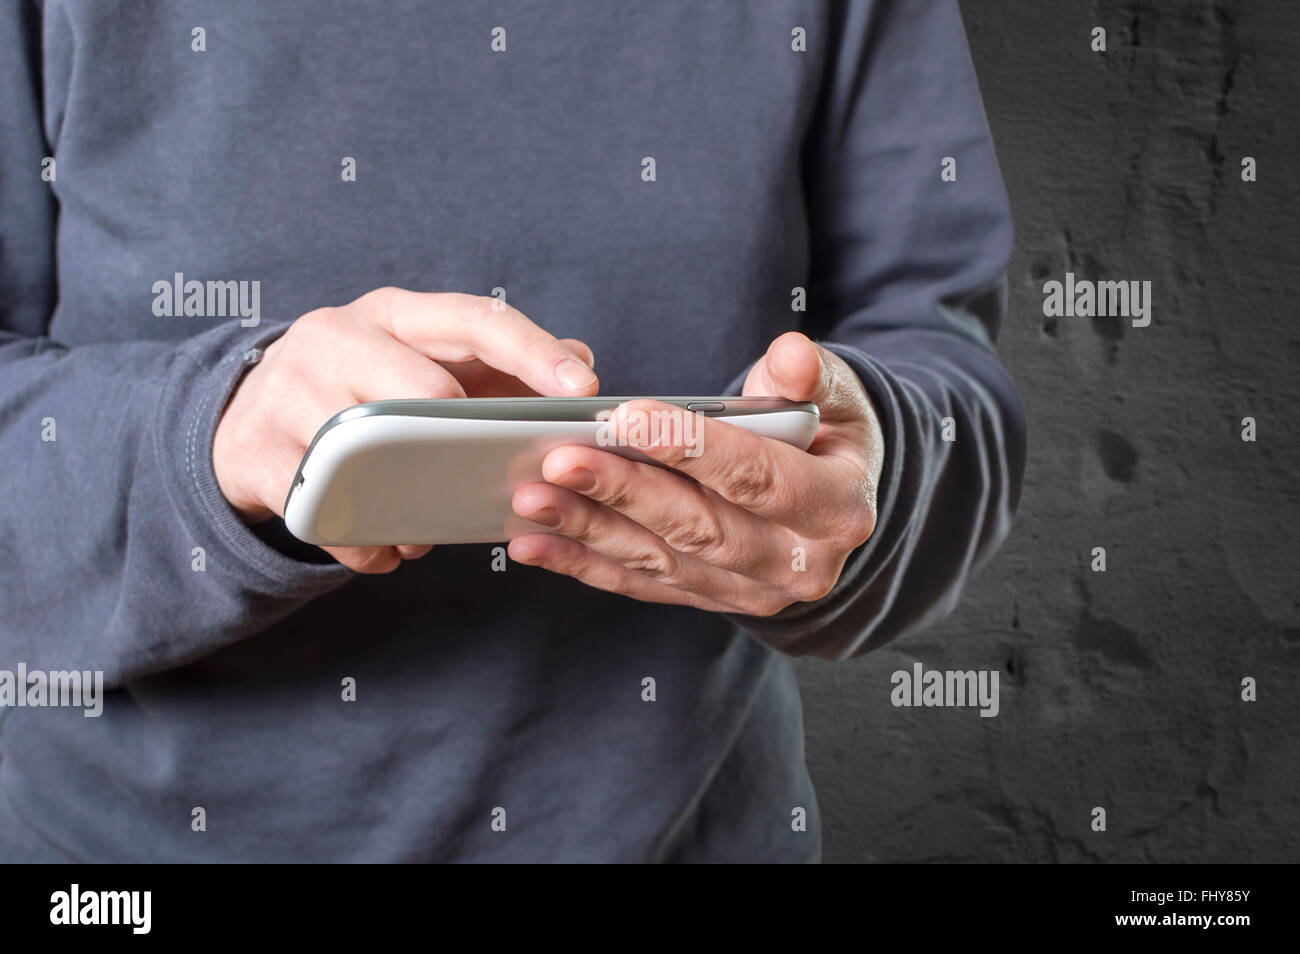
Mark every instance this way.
x=907 y=284
x=120 y=553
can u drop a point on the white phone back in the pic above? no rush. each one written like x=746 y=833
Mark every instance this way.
x=392 y=479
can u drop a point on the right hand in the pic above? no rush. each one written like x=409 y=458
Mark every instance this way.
x=387 y=344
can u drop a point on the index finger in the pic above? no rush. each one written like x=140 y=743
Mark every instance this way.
x=447 y=326
x=765 y=476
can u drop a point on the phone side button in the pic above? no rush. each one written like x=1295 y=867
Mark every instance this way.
x=703 y=407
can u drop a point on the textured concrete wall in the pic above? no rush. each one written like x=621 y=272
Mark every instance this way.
x=1120 y=689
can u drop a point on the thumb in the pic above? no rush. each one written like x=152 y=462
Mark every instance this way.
x=798 y=369
x=581 y=350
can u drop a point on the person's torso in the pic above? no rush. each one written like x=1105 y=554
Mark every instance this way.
x=629 y=175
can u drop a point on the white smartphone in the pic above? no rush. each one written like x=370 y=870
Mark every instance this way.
x=444 y=471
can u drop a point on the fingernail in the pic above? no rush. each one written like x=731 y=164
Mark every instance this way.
x=579 y=479
x=547 y=517
x=582 y=358
x=574 y=374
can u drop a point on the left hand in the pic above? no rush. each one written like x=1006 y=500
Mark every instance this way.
x=722 y=531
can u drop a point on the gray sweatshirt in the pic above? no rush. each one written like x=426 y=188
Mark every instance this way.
x=497 y=715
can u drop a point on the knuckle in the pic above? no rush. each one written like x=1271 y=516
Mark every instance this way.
x=858 y=527
x=325 y=323
x=769 y=604
x=657 y=563
x=615 y=494
x=483 y=308
x=539 y=347
x=694 y=533
x=382 y=297
x=811 y=587
x=577 y=526
x=380 y=305
x=751 y=480
x=739 y=559
x=309 y=323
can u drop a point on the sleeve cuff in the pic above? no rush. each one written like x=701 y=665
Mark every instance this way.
x=208 y=369
x=784 y=631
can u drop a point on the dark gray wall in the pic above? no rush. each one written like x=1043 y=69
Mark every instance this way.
x=1120 y=689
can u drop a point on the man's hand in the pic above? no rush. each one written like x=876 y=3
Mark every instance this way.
x=389 y=343
x=750 y=525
